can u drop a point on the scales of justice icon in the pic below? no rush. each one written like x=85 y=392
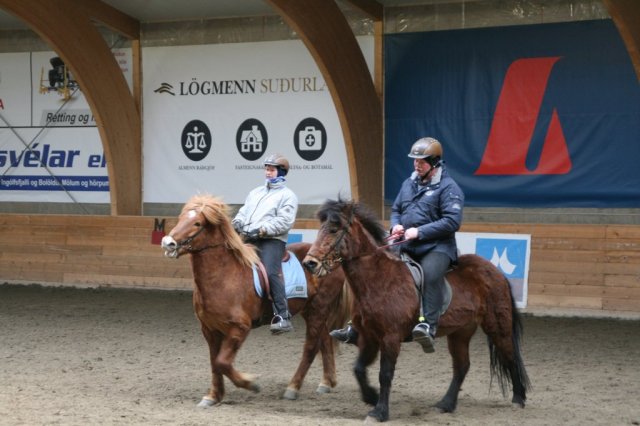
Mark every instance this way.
x=195 y=141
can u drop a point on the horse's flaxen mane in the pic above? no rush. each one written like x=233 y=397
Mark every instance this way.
x=333 y=210
x=217 y=214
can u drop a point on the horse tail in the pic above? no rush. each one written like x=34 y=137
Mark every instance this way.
x=509 y=369
x=340 y=313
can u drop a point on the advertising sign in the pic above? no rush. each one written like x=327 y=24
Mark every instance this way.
x=213 y=112
x=50 y=148
x=529 y=116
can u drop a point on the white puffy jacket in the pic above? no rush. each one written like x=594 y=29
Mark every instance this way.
x=270 y=208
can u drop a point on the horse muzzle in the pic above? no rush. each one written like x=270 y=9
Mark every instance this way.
x=170 y=247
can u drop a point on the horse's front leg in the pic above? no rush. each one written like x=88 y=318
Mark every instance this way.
x=216 y=392
x=223 y=364
x=458 y=344
x=388 y=358
x=366 y=356
x=317 y=338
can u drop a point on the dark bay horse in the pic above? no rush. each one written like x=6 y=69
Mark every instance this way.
x=228 y=307
x=386 y=306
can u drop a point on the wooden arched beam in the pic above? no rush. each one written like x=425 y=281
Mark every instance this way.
x=326 y=33
x=626 y=16
x=67 y=26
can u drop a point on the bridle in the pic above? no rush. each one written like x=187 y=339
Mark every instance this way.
x=332 y=257
x=186 y=243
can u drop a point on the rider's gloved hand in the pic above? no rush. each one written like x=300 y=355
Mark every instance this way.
x=253 y=234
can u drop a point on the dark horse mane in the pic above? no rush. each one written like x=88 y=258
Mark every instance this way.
x=338 y=211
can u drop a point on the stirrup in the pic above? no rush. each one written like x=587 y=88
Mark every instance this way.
x=280 y=325
x=422 y=334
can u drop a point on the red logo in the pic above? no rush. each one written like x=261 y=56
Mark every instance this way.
x=515 y=120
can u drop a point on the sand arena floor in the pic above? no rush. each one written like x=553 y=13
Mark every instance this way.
x=106 y=356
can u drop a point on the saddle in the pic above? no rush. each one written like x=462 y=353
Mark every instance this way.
x=295 y=283
x=262 y=279
x=418 y=279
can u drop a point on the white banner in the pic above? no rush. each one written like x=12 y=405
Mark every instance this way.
x=212 y=112
x=50 y=148
x=210 y=115
x=15 y=89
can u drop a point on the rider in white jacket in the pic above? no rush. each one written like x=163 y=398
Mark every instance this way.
x=265 y=219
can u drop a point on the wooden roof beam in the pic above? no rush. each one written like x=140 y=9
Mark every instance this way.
x=626 y=16
x=112 y=18
x=371 y=8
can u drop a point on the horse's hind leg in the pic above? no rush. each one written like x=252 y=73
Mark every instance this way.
x=308 y=354
x=366 y=356
x=317 y=338
x=458 y=343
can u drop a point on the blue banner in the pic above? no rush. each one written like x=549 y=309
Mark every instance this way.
x=54 y=183
x=529 y=116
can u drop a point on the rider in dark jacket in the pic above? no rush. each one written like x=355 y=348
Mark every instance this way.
x=427 y=212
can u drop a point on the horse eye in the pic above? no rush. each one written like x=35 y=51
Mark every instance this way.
x=198 y=224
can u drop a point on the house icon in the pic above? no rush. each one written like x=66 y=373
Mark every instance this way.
x=251 y=140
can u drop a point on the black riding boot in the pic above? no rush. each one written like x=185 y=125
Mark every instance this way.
x=345 y=335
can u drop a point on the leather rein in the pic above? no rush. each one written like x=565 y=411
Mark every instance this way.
x=333 y=255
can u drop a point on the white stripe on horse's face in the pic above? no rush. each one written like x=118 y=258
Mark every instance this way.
x=191 y=214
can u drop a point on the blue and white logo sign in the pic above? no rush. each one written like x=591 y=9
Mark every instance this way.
x=508 y=255
x=508 y=252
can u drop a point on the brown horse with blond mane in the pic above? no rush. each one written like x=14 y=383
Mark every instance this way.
x=386 y=306
x=227 y=305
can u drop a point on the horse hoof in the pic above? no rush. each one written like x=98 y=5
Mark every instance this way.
x=254 y=387
x=290 y=394
x=517 y=402
x=445 y=408
x=321 y=389
x=370 y=419
x=206 y=402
